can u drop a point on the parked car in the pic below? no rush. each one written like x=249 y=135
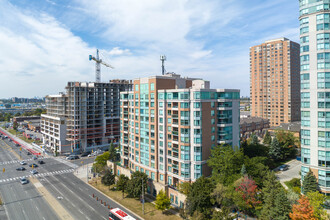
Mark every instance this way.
x=41 y=162
x=23 y=180
x=33 y=171
x=22 y=162
x=284 y=167
x=72 y=157
x=20 y=169
x=17 y=145
x=34 y=165
x=85 y=154
x=35 y=157
x=28 y=153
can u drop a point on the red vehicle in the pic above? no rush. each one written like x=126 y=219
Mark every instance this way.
x=118 y=214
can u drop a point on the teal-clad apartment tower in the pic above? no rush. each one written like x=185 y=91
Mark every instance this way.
x=315 y=90
x=168 y=126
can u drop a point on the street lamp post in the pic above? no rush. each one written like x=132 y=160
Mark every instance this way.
x=142 y=198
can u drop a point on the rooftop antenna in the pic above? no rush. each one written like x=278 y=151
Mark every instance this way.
x=163 y=58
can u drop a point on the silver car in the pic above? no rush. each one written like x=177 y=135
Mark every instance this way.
x=24 y=180
x=33 y=171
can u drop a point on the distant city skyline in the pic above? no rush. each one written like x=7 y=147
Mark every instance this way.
x=45 y=44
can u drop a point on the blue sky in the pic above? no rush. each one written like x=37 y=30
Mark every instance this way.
x=45 y=43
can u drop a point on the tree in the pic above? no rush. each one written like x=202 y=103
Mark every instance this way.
x=223 y=214
x=309 y=183
x=185 y=188
x=256 y=169
x=275 y=151
x=112 y=153
x=243 y=170
x=199 y=197
x=134 y=188
x=108 y=178
x=267 y=138
x=317 y=200
x=253 y=140
x=102 y=159
x=226 y=164
x=248 y=192
x=15 y=126
x=282 y=206
x=122 y=183
x=302 y=210
x=101 y=162
x=288 y=142
x=219 y=194
x=292 y=196
x=162 y=201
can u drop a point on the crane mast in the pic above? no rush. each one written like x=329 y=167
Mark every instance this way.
x=98 y=63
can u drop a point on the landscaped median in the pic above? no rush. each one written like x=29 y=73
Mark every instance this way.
x=133 y=204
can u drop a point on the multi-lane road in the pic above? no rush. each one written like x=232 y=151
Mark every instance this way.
x=56 y=176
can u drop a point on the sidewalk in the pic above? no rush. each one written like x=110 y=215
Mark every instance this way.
x=83 y=172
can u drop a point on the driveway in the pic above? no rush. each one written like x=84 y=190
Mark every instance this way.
x=292 y=172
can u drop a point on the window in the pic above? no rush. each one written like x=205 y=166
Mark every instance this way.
x=197 y=104
x=304 y=30
x=161 y=177
x=152 y=86
x=304 y=39
x=304 y=49
x=304 y=58
x=321 y=46
x=304 y=76
x=136 y=87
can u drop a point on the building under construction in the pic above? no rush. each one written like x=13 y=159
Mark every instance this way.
x=85 y=118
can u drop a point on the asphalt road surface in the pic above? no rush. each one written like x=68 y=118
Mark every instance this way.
x=56 y=175
x=20 y=201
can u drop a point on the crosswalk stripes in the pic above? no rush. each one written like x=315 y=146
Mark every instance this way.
x=53 y=173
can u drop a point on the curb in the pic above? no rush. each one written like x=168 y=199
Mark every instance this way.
x=115 y=201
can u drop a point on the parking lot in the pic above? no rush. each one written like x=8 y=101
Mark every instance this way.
x=292 y=172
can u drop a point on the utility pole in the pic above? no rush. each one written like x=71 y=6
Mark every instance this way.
x=142 y=198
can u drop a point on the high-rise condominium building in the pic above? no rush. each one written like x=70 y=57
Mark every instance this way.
x=315 y=90
x=274 y=81
x=85 y=118
x=169 y=125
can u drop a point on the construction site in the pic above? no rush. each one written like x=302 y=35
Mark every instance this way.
x=86 y=117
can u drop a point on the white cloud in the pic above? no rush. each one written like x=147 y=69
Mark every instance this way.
x=44 y=47
x=116 y=51
x=40 y=55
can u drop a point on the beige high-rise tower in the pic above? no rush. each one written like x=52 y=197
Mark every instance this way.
x=275 y=81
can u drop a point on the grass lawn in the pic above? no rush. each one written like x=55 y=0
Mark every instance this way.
x=135 y=205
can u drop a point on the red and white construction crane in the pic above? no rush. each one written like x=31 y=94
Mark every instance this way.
x=98 y=63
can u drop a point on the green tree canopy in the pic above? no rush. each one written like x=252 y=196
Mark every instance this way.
x=317 y=200
x=309 y=183
x=275 y=150
x=226 y=164
x=108 y=179
x=134 y=188
x=122 y=183
x=276 y=204
x=162 y=201
x=267 y=138
x=199 y=197
x=112 y=153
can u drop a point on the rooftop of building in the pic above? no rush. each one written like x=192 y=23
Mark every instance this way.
x=167 y=76
x=293 y=126
x=249 y=120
